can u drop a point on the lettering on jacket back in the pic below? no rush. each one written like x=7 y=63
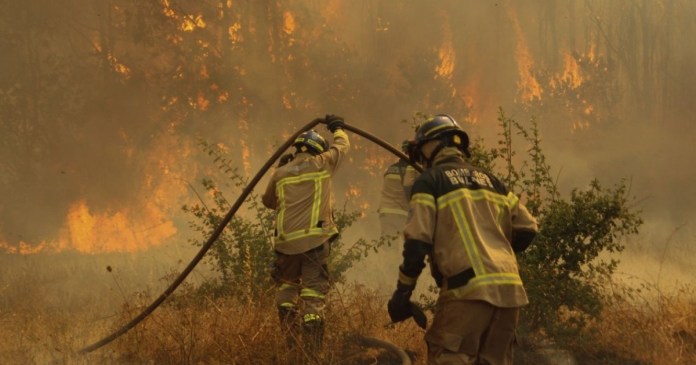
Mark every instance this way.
x=461 y=176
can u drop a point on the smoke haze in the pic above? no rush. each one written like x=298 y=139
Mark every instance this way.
x=102 y=103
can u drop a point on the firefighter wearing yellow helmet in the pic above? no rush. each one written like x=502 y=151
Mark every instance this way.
x=470 y=226
x=300 y=191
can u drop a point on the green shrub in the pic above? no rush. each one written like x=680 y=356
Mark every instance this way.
x=567 y=264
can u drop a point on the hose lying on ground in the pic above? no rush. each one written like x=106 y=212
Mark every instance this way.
x=374 y=342
x=226 y=220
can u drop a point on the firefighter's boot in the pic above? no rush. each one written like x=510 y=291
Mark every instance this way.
x=313 y=333
x=289 y=325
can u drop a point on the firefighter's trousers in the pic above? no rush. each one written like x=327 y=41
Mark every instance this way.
x=467 y=332
x=304 y=275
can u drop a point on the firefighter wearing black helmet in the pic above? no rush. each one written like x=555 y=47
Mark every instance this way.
x=300 y=191
x=469 y=226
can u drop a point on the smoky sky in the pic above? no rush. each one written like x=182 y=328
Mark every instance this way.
x=104 y=102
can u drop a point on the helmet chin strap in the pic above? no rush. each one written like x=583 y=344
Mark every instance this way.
x=429 y=160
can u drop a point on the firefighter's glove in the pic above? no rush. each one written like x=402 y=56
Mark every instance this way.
x=399 y=306
x=334 y=123
x=285 y=159
x=419 y=316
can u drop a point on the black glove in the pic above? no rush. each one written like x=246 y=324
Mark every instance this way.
x=399 y=306
x=285 y=159
x=334 y=122
x=418 y=316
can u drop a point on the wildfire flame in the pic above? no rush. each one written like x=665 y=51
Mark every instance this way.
x=234 y=33
x=528 y=86
x=446 y=56
x=92 y=233
x=570 y=75
x=289 y=23
x=246 y=153
x=118 y=66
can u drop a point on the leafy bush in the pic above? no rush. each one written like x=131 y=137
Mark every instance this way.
x=567 y=264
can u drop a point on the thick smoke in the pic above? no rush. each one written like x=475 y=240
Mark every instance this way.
x=107 y=107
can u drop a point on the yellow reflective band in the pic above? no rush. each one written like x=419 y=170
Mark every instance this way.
x=314 y=144
x=393 y=211
x=311 y=293
x=407 y=280
x=392 y=176
x=304 y=177
x=512 y=199
x=340 y=133
x=485 y=280
x=468 y=239
x=423 y=199
x=437 y=129
x=454 y=199
x=281 y=211
x=307 y=233
x=309 y=317
x=316 y=203
x=317 y=177
x=289 y=286
x=287 y=305
x=410 y=168
x=455 y=196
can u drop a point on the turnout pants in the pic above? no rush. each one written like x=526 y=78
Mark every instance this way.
x=471 y=332
x=304 y=275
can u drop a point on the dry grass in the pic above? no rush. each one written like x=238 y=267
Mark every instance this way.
x=195 y=330
x=52 y=307
x=646 y=327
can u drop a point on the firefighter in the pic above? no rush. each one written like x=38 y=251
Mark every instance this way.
x=469 y=227
x=300 y=191
x=396 y=190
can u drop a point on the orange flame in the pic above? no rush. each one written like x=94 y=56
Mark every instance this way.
x=92 y=233
x=352 y=194
x=190 y=23
x=446 y=55
x=167 y=9
x=287 y=100
x=234 y=33
x=144 y=224
x=570 y=75
x=528 y=85
x=118 y=66
x=289 y=23
x=579 y=125
x=246 y=153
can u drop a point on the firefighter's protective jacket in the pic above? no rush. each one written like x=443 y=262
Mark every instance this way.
x=301 y=193
x=396 y=188
x=470 y=226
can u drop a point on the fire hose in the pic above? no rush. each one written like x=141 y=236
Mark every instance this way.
x=226 y=220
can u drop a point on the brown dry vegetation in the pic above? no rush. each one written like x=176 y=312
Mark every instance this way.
x=648 y=326
x=47 y=317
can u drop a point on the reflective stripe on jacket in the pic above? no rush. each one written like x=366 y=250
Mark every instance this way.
x=468 y=217
x=301 y=193
x=396 y=188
